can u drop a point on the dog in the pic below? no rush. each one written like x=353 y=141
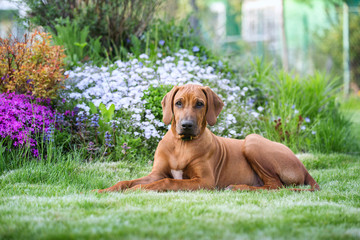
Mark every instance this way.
x=191 y=157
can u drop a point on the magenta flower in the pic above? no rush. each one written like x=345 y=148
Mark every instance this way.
x=22 y=119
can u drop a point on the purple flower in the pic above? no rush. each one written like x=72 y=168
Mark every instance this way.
x=22 y=121
x=125 y=146
x=108 y=139
x=162 y=42
x=95 y=121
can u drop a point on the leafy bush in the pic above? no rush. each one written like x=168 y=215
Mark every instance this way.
x=113 y=21
x=23 y=120
x=32 y=66
x=79 y=46
x=302 y=113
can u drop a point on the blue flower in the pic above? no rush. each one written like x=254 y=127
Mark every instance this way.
x=293 y=106
x=220 y=64
x=162 y=42
x=307 y=119
x=95 y=121
x=50 y=134
x=303 y=127
x=313 y=132
x=108 y=139
x=196 y=49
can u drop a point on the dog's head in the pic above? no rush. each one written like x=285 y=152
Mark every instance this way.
x=190 y=107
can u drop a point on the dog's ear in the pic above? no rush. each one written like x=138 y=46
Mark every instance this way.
x=167 y=103
x=214 y=106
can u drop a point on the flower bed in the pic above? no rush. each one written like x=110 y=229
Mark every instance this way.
x=22 y=120
x=128 y=85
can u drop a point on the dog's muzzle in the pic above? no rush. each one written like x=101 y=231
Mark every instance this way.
x=187 y=129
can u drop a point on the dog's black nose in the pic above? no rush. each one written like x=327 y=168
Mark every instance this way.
x=187 y=124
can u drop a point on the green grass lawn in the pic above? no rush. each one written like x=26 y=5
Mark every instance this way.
x=53 y=201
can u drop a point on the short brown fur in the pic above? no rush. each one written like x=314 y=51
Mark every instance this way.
x=207 y=161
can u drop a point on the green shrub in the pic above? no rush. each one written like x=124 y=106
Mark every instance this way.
x=114 y=22
x=302 y=113
x=79 y=46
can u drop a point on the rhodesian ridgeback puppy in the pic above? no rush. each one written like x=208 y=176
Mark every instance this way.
x=191 y=157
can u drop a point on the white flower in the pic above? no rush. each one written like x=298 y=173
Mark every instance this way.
x=255 y=114
x=260 y=109
x=144 y=56
x=84 y=107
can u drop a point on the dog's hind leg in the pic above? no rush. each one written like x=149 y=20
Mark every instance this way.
x=275 y=164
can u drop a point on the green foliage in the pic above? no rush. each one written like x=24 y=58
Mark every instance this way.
x=350 y=103
x=334 y=134
x=329 y=43
x=153 y=96
x=171 y=36
x=8 y=14
x=112 y=22
x=78 y=44
x=102 y=123
x=302 y=113
x=161 y=37
x=107 y=114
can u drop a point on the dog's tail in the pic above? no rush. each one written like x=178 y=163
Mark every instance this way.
x=309 y=180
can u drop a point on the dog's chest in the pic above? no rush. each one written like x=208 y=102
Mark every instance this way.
x=177 y=174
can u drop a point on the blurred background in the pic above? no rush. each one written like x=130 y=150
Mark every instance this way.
x=304 y=36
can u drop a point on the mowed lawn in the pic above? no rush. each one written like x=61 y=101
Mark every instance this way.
x=54 y=201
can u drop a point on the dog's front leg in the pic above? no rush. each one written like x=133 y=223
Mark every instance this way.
x=122 y=185
x=200 y=177
x=169 y=184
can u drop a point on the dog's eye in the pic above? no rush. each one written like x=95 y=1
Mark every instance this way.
x=178 y=104
x=199 y=104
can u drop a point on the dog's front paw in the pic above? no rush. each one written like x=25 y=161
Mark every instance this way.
x=230 y=187
x=99 y=190
x=137 y=187
x=240 y=187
